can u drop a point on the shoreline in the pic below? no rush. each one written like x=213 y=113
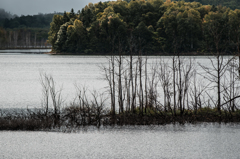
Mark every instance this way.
x=109 y=54
x=76 y=118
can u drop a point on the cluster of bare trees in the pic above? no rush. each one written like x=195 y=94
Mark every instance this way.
x=177 y=86
x=87 y=109
x=168 y=90
x=168 y=87
x=224 y=77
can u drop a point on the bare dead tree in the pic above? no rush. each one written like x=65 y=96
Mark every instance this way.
x=98 y=107
x=84 y=103
x=140 y=82
x=135 y=85
x=187 y=73
x=165 y=78
x=109 y=76
x=131 y=42
x=231 y=85
x=127 y=91
x=153 y=87
x=215 y=73
x=112 y=74
x=196 y=92
x=50 y=92
x=174 y=85
x=44 y=80
x=119 y=75
x=146 y=85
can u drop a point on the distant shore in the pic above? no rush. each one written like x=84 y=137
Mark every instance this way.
x=116 y=54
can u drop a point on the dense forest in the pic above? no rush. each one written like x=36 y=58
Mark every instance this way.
x=32 y=30
x=29 y=31
x=151 y=26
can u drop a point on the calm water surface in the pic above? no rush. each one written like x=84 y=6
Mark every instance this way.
x=20 y=76
x=170 y=141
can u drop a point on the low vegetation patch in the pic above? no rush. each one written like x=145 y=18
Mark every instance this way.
x=75 y=117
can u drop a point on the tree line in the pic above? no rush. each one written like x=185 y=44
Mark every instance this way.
x=24 y=38
x=29 y=31
x=154 y=25
x=7 y=20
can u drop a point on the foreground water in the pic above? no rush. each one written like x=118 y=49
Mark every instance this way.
x=169 y=141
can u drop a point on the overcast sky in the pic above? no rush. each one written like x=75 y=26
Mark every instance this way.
x=31 y=7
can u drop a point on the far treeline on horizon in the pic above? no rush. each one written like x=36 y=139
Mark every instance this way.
x=130 y=27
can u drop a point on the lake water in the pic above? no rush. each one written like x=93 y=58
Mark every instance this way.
x=198 y=141
x=20 y=77
x=20 y=85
